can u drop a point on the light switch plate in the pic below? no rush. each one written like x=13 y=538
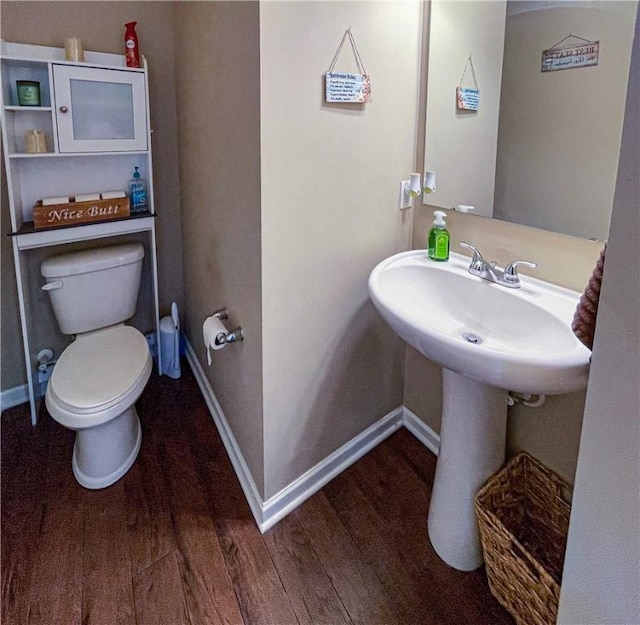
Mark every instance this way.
x=405 y=198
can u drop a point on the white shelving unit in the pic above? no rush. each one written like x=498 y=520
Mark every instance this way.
x=95 y=117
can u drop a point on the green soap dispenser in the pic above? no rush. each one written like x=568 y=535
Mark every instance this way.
x=439 y=238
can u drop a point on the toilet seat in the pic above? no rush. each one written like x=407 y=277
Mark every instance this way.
x=97 y=375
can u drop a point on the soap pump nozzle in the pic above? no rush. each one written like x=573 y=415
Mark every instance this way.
x=439 y=222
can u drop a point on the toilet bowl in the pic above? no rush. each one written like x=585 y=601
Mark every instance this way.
x=92 y=390
x=100 y=375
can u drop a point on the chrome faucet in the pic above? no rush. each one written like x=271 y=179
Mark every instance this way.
x=488 y=271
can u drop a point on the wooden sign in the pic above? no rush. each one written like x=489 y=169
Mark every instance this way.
x=76 y=213
x=572 y=56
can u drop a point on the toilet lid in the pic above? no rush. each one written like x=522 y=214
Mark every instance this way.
x=99 y=368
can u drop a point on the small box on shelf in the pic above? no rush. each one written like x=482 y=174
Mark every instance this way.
x=76 y=213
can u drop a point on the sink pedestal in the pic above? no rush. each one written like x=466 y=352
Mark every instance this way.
x=472 y=448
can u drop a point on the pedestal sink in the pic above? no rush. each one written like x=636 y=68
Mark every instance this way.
x=489 y=340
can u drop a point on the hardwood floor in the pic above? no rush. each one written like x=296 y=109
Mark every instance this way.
x=174 y=542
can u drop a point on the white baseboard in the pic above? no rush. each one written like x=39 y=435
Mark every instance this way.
x=245 y=478
x=14 y=396
x=309 y=483
x=426 y=435
x=268 y=513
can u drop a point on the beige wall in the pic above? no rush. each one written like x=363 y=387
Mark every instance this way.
x=602 y=566
x=460 y=146
x=12 y=372
x=100 y=25
x=287 y=205
x=562 y=259
x=330 y=177
x=548 y=174
x=218 y=91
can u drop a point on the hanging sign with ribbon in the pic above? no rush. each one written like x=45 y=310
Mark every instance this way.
x=584 y=53
x=347 y=87
x=467 y=98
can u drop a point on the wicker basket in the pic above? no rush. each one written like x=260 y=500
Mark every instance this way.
x=523 y=516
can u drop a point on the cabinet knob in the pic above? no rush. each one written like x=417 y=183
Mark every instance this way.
x=64 y=109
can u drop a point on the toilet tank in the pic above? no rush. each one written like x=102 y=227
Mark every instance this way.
x=94 y=288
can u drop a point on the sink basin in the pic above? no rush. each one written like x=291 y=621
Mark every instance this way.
x=489 y=340
x=515 y=339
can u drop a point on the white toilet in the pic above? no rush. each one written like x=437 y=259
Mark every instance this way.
x=98 y=378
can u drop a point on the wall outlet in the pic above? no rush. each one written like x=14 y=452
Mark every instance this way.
x=405 y=197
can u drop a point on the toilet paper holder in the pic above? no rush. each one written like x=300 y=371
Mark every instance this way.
x=234 y=335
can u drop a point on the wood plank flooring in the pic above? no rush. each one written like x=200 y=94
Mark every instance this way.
x=174 y=542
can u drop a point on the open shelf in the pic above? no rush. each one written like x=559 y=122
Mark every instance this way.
x=28 y=237
x=27 y=109
x=75 y=154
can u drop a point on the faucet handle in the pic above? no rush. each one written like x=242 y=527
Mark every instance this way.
x=510 y=274
x=477 y=262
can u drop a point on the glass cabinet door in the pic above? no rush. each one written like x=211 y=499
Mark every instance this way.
x=99 y=110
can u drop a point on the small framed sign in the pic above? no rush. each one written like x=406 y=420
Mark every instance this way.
x=347 y=87
x=584 y=53
x=468 y=98
x=341 y=87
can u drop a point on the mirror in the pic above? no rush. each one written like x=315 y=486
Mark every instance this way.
x=542 y=150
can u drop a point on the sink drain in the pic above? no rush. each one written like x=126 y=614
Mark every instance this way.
x=470 y=337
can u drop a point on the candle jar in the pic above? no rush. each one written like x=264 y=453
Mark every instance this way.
x=28 y=92
x=73 y=50
x=35 y=141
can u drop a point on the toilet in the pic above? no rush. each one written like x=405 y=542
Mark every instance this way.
x=100 y=375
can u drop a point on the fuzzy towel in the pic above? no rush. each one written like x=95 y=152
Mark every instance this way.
x=584 y=320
